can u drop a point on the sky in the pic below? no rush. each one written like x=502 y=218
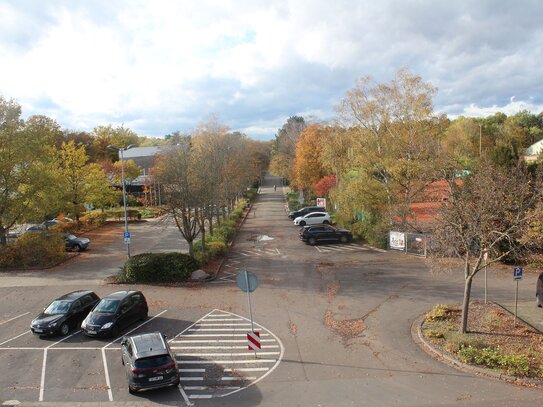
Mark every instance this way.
x=162 y=66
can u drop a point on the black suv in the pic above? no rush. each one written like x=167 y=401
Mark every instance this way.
x=148 y=361
x=114 y=313
x=324 y=233
x=305 y=211
x=64 y=314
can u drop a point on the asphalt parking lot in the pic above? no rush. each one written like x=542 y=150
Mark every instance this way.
x=211 y=353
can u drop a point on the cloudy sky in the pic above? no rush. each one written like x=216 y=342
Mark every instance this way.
x=162 y=66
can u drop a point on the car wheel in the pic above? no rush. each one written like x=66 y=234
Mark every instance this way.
x=312 y=241
x=538 y=301
x=132 y=390
x=144 y=315
x=77 y=248
x=343 y=239
x=64 y=329
x=326 y=222
x=302 y=223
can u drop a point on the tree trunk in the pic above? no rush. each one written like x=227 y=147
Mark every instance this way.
x=465 y=304
x=191 y=248
x=3 y=237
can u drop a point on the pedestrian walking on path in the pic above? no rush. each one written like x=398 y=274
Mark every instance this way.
x=275 y=187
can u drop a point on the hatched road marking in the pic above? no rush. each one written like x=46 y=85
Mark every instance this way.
x=222 y=364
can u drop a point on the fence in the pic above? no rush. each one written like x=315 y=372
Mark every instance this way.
x=409 y=243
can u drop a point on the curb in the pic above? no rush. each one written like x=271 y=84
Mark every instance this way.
x=443 y=356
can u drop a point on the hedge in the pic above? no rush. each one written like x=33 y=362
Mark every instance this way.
x=158 y=268
x=33 y=250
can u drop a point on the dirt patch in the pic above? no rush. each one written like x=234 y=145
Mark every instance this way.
x=347 y=328
x=293 y=328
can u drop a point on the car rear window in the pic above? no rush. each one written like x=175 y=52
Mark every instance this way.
x=153 y=361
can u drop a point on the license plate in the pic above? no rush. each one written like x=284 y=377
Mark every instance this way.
x=157 y=378
x=92 y=332
x=38 y=330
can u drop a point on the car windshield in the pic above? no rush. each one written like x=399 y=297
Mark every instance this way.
x=71 y=237
x=107 y=306
x=58 y=307
x=153 y=361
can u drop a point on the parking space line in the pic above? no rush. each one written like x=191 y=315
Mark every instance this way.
x=11 y=319
x=137 y=327
x=214 y=335
x=238 y=378
x=208 y=361
x=15 y=337
x=207 y=387
x=106 y=372
x=240 y=354
x=220 y=340
x=317 y=247
x=42 y=381
x=248 y=369
x=220 y=347
x=63 y=339
x=238 y=324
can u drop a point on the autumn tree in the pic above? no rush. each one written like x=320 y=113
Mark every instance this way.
x=80 y=181
x=284 y=147
x=308 y=168
x=397 y=142
x=25 y=177
x=180 y=192
x=488 y=214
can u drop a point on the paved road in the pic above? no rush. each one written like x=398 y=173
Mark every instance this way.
x=342 y=315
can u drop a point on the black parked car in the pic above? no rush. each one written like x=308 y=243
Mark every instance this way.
x=324 y=233
x=149 y=362
x=64 y=313
x=114 y=313
x=305 y=211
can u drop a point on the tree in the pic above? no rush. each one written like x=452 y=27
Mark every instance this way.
x=25 y=177
x=79 y=181
x=308 y=168
x=488 y=214
x=397 y=140
x=180 y=192
x=324 y=185
x=284 y=147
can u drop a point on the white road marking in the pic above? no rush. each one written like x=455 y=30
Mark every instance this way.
x=106 y=372
x=219 y=347
x=214 y=335
x=218 y=340
x=15 y=337
x=217 y=329
x=42 y=381
x=137 y=327
x=239 y=324
x=191 y=370
x=205 y=362
x=63 y=339
x=11 y=319
x=185 y=397
x=238 y=378
x=223 y=319
x=242 y=354
x=192 y=379
x=248 y=369
x=207 y=387
x=201 y=396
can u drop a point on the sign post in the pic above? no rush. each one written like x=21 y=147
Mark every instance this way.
x=517 y=275
x=247 y=281
x=485 y=258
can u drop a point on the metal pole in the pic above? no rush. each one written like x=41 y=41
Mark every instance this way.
x=516 y=302
x=249 y=301
x=480 y=139
x=124 y=204
x=485 y=258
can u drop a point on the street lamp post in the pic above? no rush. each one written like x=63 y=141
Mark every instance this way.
x=126 y=233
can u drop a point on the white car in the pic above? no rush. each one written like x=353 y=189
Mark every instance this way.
x=313 y=218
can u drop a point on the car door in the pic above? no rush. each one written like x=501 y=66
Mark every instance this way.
x=311 y=219
x=328 y=234
x=77 y=313
x=123 y=319
x=126 y=354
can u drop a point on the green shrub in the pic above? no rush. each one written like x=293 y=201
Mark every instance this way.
x=439 y=313
x=158 y=267
x=34 y=250
x=217 y=248
x=147 y=213
x=118 y=214
x=517 y=365
x=251 y=194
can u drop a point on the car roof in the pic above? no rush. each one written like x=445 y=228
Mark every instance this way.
x=119 y=295
x=148 y=344
x=74 y=295
x=316 y=213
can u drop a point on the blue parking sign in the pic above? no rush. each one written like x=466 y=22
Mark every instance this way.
x=517 y=273
x=127 y=235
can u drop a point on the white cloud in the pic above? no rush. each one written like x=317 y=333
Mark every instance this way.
x=163 y=66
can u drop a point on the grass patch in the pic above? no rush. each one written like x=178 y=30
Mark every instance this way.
x=492 y=342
